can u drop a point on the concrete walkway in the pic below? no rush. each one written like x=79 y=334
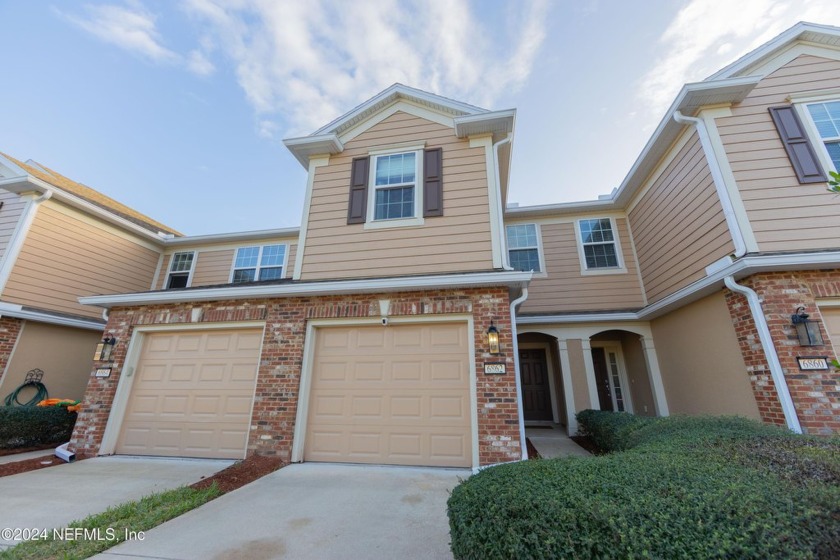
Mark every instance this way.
x=313 y=511
x=55 y=496
x=551 y=442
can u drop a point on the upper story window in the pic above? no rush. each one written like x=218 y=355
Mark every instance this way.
x=394 y=186
x=598 y=244
x=523 y=247
x=259 y=263
x=180 y=268
x=826 y=117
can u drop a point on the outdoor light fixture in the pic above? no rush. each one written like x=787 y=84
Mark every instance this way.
x=105 y=349
x=807 y=331
x=493 y=338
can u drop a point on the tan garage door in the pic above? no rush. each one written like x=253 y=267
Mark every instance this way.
x=192 y=395
x=394 y=395
x=831 y=321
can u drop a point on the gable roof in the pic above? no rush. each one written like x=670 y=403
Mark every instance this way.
x=90 y=195
x=467 y=119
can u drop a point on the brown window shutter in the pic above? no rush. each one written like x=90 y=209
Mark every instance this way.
x=798 y=146
x=433 y=182
x=357 y=208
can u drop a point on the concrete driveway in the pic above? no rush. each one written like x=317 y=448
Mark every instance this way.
x=317 y=511
x=55 y=496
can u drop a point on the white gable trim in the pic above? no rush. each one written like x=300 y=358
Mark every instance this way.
x=400 y=105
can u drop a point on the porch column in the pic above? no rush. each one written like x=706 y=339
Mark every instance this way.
x=568 y=389
x=652 y=362
x=591 y=384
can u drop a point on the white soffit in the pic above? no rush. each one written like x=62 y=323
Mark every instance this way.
x=308 y=146
x=495 y=122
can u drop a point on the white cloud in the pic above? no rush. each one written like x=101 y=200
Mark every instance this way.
x=706 y=35
x=133 y=28
x=308 y=62
x=130 y=27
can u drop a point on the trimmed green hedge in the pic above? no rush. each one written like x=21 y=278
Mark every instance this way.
x=28 y=426
x=686 y=488
x=609 y=430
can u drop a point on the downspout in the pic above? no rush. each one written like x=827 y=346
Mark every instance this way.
x=776 y=371
x=717 y=179
x=18 y=236
x=515 y=345
x=500 y=210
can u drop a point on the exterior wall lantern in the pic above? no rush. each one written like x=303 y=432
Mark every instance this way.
x=105 y=349
x=807 y=331
x=493 y=338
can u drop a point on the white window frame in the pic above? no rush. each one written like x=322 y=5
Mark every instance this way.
x=189 y=274
x=417 y=219
x=258 y=267
x=586 y=271
x=542 y=272
x=800 y=104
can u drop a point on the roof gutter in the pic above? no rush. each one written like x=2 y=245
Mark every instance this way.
x=302 y=289
x=776 y=371
x=717 y=179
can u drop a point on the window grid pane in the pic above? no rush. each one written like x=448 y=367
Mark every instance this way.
x=834 y=153
x=394 y=203
x=246 y=257
x=522 y=236
x=596 y=231
x=600 y=255
x=396 y=169
x=525 y=259
x=271 y=273
x=827 y=118
x=181 y=262
x=273 y=255
x=244 y=275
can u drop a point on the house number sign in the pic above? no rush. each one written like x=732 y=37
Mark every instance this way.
x=494 y=368
x=103 y=372
x=812 y=363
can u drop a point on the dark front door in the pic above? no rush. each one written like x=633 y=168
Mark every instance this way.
x=602 y=380
x=536 y=395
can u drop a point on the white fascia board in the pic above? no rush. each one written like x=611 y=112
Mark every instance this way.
x=234 y=236
x=576 y=318
x=33 y=184
x=300 y=289
x=317 y=145
x=17 y=170
x=801 y=31
x=494 y=122
x=562 y=208
x=398 y=91
x=17 y=311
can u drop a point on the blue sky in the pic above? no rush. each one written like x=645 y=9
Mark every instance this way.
x=179 y=108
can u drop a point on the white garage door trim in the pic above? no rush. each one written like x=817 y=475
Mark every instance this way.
x=135 y=345
x=309 y=357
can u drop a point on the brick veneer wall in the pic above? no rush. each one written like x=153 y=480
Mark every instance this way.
x=815 y=394
x=278 y=378
x=9 y=332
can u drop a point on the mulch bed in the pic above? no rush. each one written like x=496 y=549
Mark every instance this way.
x=30 y=465
x=532 y=451
x=587 y=443
x=241 y=473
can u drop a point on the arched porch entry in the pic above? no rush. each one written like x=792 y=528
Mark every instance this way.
x=566 y=369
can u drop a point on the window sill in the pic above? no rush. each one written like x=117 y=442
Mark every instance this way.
x=603 y=271
x=388 y=224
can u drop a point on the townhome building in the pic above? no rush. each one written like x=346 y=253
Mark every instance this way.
x=417 y=318
x=60 y=240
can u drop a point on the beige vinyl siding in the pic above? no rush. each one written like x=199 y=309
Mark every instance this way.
x=13 y=206
x=456 y=242
x=678 y=224
x=565 y=289
x=697 y=380
x=65 y=257
x=784 y=215
x=213 y=267
x=164 y=270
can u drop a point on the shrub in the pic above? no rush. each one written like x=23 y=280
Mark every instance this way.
x=27 y=426
x=713 y=487
x=609 y=430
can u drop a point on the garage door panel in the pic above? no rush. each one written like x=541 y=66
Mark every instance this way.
x=390 y=395
x=189 y=399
